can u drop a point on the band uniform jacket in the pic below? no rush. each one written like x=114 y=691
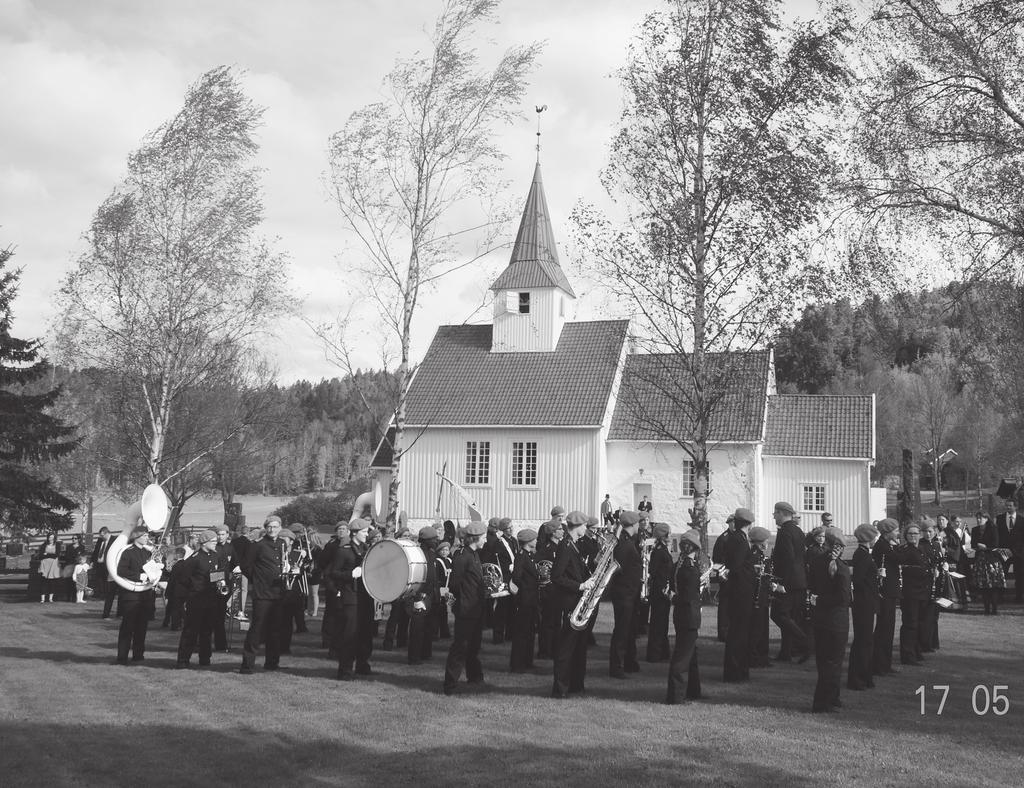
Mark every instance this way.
x=443 y=567
x=865 y=581
x=917 y=575
x=568 y=573
x=589 y=548
x=659 y=571
x=686 y=584
x=527 y=580
x=467 y=585
x=499 y=550
x=263 y=566
x=240 y=547
x=341 y=587
x=130 y=567
x=885 y=557
x=548 y=552
x=832 y=607
x=739 y=561
x=195 y=584
x=788 y=557
x=625 y=584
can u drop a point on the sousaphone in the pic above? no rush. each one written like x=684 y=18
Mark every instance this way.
x=153 y=510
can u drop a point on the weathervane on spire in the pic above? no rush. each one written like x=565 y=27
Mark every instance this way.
x=539 y=109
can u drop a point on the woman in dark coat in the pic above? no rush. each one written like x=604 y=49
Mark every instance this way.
x=989 y=572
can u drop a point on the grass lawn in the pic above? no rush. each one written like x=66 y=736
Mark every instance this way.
x=70 y=717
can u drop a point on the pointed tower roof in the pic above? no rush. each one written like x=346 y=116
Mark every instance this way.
x=534 y=261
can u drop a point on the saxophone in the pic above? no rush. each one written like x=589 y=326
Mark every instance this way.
x=603 y=571
x=645 y=568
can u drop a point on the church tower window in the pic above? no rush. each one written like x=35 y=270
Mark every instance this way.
x=524 y=303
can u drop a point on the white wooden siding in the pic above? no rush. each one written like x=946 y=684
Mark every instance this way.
x=847 y=489
x=569 y=467
x=733 y=480
x=538 y=330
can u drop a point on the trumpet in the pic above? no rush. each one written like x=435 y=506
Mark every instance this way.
x=645 y=568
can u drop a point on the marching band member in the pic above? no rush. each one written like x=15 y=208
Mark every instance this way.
x=760 y=647
x=659 y=574
x=865 y=607
x=624 y=591
x=718 y=557
x=264 y=564
x=325 y=559
x=136 y=606
x=927 y=632
x=569 y=580
x=204 y=578
x=788 y=563
x=830 y=585
x=422 y=607
x=886 y=559
x=467 y=585
x=739 y=571
x=443 y=568
x=223 y=550
x=642 y=616
x=502 y=550
x=350 y=604
x=525 y=584
x=685 y=585
x=550 y=603
x=917 y=577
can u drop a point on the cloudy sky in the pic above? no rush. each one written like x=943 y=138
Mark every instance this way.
x=83 y=82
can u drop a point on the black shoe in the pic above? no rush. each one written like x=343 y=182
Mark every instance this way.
x=245 y=671
x=364 y=670
x=271 y=667
x=346 y=677
x=618 y=674
x=450 y=690
x=632 y=668
x=857 y=687
x=138 y=659
x=180 y=665
x=121 y=662
x=204 y=664
x=387 y=645
x=302 y=631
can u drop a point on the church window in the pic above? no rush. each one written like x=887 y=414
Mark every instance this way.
x=524 y=463
x=524 y=303
x=813 y=498
x=478 y=462
x=689 y=477
x=511 y=301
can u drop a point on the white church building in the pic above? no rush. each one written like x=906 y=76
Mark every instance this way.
x=526 y=413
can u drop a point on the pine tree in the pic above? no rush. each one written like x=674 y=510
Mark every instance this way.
x=29 y=435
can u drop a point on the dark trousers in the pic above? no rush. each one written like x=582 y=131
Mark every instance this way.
x=991 y=598
x=622 y=653
x=441 y=621
x=264 y=628
x=327 y=626
x=912 y=611
x=136 y=609
x=885 y=634
x=759 y=638
x=861 y=667
x=550 y=616
x=109 y=596
x=723 y=610
x=642 y=616
x=344 y=642
x=830 y=647
x=684 y=657
x=200 y=619
x=293 y=609
x=737 y=644
x=396 y=631
x=784 y=609
x=927 y=626
x=657 y=634
x=570 y=659
x=464 y=652
x=503 y=619
x=525 y=625
x=174 y=611
x=421 y=635
x=220 y=635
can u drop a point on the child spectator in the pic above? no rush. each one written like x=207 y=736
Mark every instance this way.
x=81 y=578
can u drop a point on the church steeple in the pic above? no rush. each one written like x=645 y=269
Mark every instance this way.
x=532 y=296
x=534 y=261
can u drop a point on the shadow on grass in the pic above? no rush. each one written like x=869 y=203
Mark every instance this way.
x=174 y=755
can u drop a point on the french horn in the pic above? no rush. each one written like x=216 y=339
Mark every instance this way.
x=152 y=508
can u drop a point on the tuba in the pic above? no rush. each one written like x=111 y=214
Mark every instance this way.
x=153 y=510
x=606 y=567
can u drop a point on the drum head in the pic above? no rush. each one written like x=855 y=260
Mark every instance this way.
x=386 y=571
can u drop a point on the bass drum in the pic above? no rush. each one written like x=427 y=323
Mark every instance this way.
x=394 y=569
